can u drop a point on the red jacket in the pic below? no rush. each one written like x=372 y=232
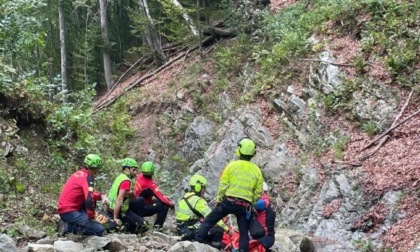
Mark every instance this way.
x=146 y=188
x=77 y=193
x=267 y=217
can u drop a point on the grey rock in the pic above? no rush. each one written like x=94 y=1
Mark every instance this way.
x=30 y=232
x=40 y=247
x=46 y=240
x=187 y=246
x=300 y=241
x=67 y=246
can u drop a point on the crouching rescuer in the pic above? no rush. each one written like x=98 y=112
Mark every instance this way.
x=122 y=202
x=191 y=211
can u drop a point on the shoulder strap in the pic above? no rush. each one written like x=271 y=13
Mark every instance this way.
x=192 y=208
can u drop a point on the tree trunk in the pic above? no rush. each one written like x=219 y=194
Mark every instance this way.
x=200 y=46
x=151 y=35
x=187 y=18
x=62 y=52
x=106 y=54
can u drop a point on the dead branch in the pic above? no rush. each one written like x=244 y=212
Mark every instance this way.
x=403 y=109
x=126 y=72
x=390 y=129
x=364 y=157
x=186 y=54
x=346 y=163
x=134 y=84
x=327 y=62
x=118 y=81
x=180 y=50
x=101 y=106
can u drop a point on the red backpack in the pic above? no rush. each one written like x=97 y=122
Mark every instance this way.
x=232 y=242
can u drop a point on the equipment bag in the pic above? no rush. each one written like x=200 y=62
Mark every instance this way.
x=105 y=220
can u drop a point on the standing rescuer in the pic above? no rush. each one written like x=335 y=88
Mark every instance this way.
x=77 y=201
x=123 y=204
x=240 y=187
x=146 y=188
x=192 y=209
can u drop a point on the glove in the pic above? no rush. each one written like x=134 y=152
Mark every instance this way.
x=105 y=200
x=96 y=196
x=100 y=218
x=118 y=222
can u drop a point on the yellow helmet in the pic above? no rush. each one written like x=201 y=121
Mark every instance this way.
x=197 y=182
x=246 y=147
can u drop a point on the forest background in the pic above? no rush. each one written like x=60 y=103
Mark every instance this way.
x=71 y=72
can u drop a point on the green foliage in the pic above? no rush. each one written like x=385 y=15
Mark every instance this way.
x=369 y=128
x=5 y=181
x=340 y=100
x=390 y=35
x=364 y=245
x=339 y=146
x=359 y=65
x=21 y=32
x=229 y=60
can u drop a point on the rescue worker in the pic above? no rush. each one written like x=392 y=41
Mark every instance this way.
x=266 y=217
x=123 y=204
x=146 y=188
x=77 y=201
x=191 y=211
x=240 y=187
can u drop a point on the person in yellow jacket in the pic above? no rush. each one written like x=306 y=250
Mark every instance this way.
x=192 y=209
x=123 y=205
x=239 y=189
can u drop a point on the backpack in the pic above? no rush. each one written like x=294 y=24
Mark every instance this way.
x=232 y=242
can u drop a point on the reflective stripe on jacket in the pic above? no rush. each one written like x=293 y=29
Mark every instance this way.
x=184 y=213
x=241 y=179
x=113 y=193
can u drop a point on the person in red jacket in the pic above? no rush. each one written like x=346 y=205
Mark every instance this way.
x=146 y=188
x=77 y=201
x=266 y=217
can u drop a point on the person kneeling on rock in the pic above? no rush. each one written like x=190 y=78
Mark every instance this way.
x=192 y=208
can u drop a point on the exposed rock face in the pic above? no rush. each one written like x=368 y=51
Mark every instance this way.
x=328 y=208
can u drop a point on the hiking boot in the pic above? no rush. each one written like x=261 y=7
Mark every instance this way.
x=62 y=228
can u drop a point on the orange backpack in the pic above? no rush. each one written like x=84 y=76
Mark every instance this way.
x=232 y=242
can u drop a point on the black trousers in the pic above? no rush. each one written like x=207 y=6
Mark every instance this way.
x=189 y=233
x=156 y=207
x=132 y=222
x=224 y=208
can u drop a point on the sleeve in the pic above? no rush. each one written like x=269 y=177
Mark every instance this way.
x=125 y=185
x=258 y=186
x=137 y=187
x=89 y=197
x=202 y=207
x=224 y=183
x=159 y=195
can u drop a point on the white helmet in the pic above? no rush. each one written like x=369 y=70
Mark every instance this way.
x=265 y=187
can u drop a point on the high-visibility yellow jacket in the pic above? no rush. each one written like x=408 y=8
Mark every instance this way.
x=241 y=179
x=184 y=213
x=113 y=193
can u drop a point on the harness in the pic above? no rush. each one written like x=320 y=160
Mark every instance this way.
x=238 y=201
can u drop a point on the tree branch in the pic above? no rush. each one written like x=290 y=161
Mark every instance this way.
x=390 y=129
x=327 y=62
x=363 y=158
